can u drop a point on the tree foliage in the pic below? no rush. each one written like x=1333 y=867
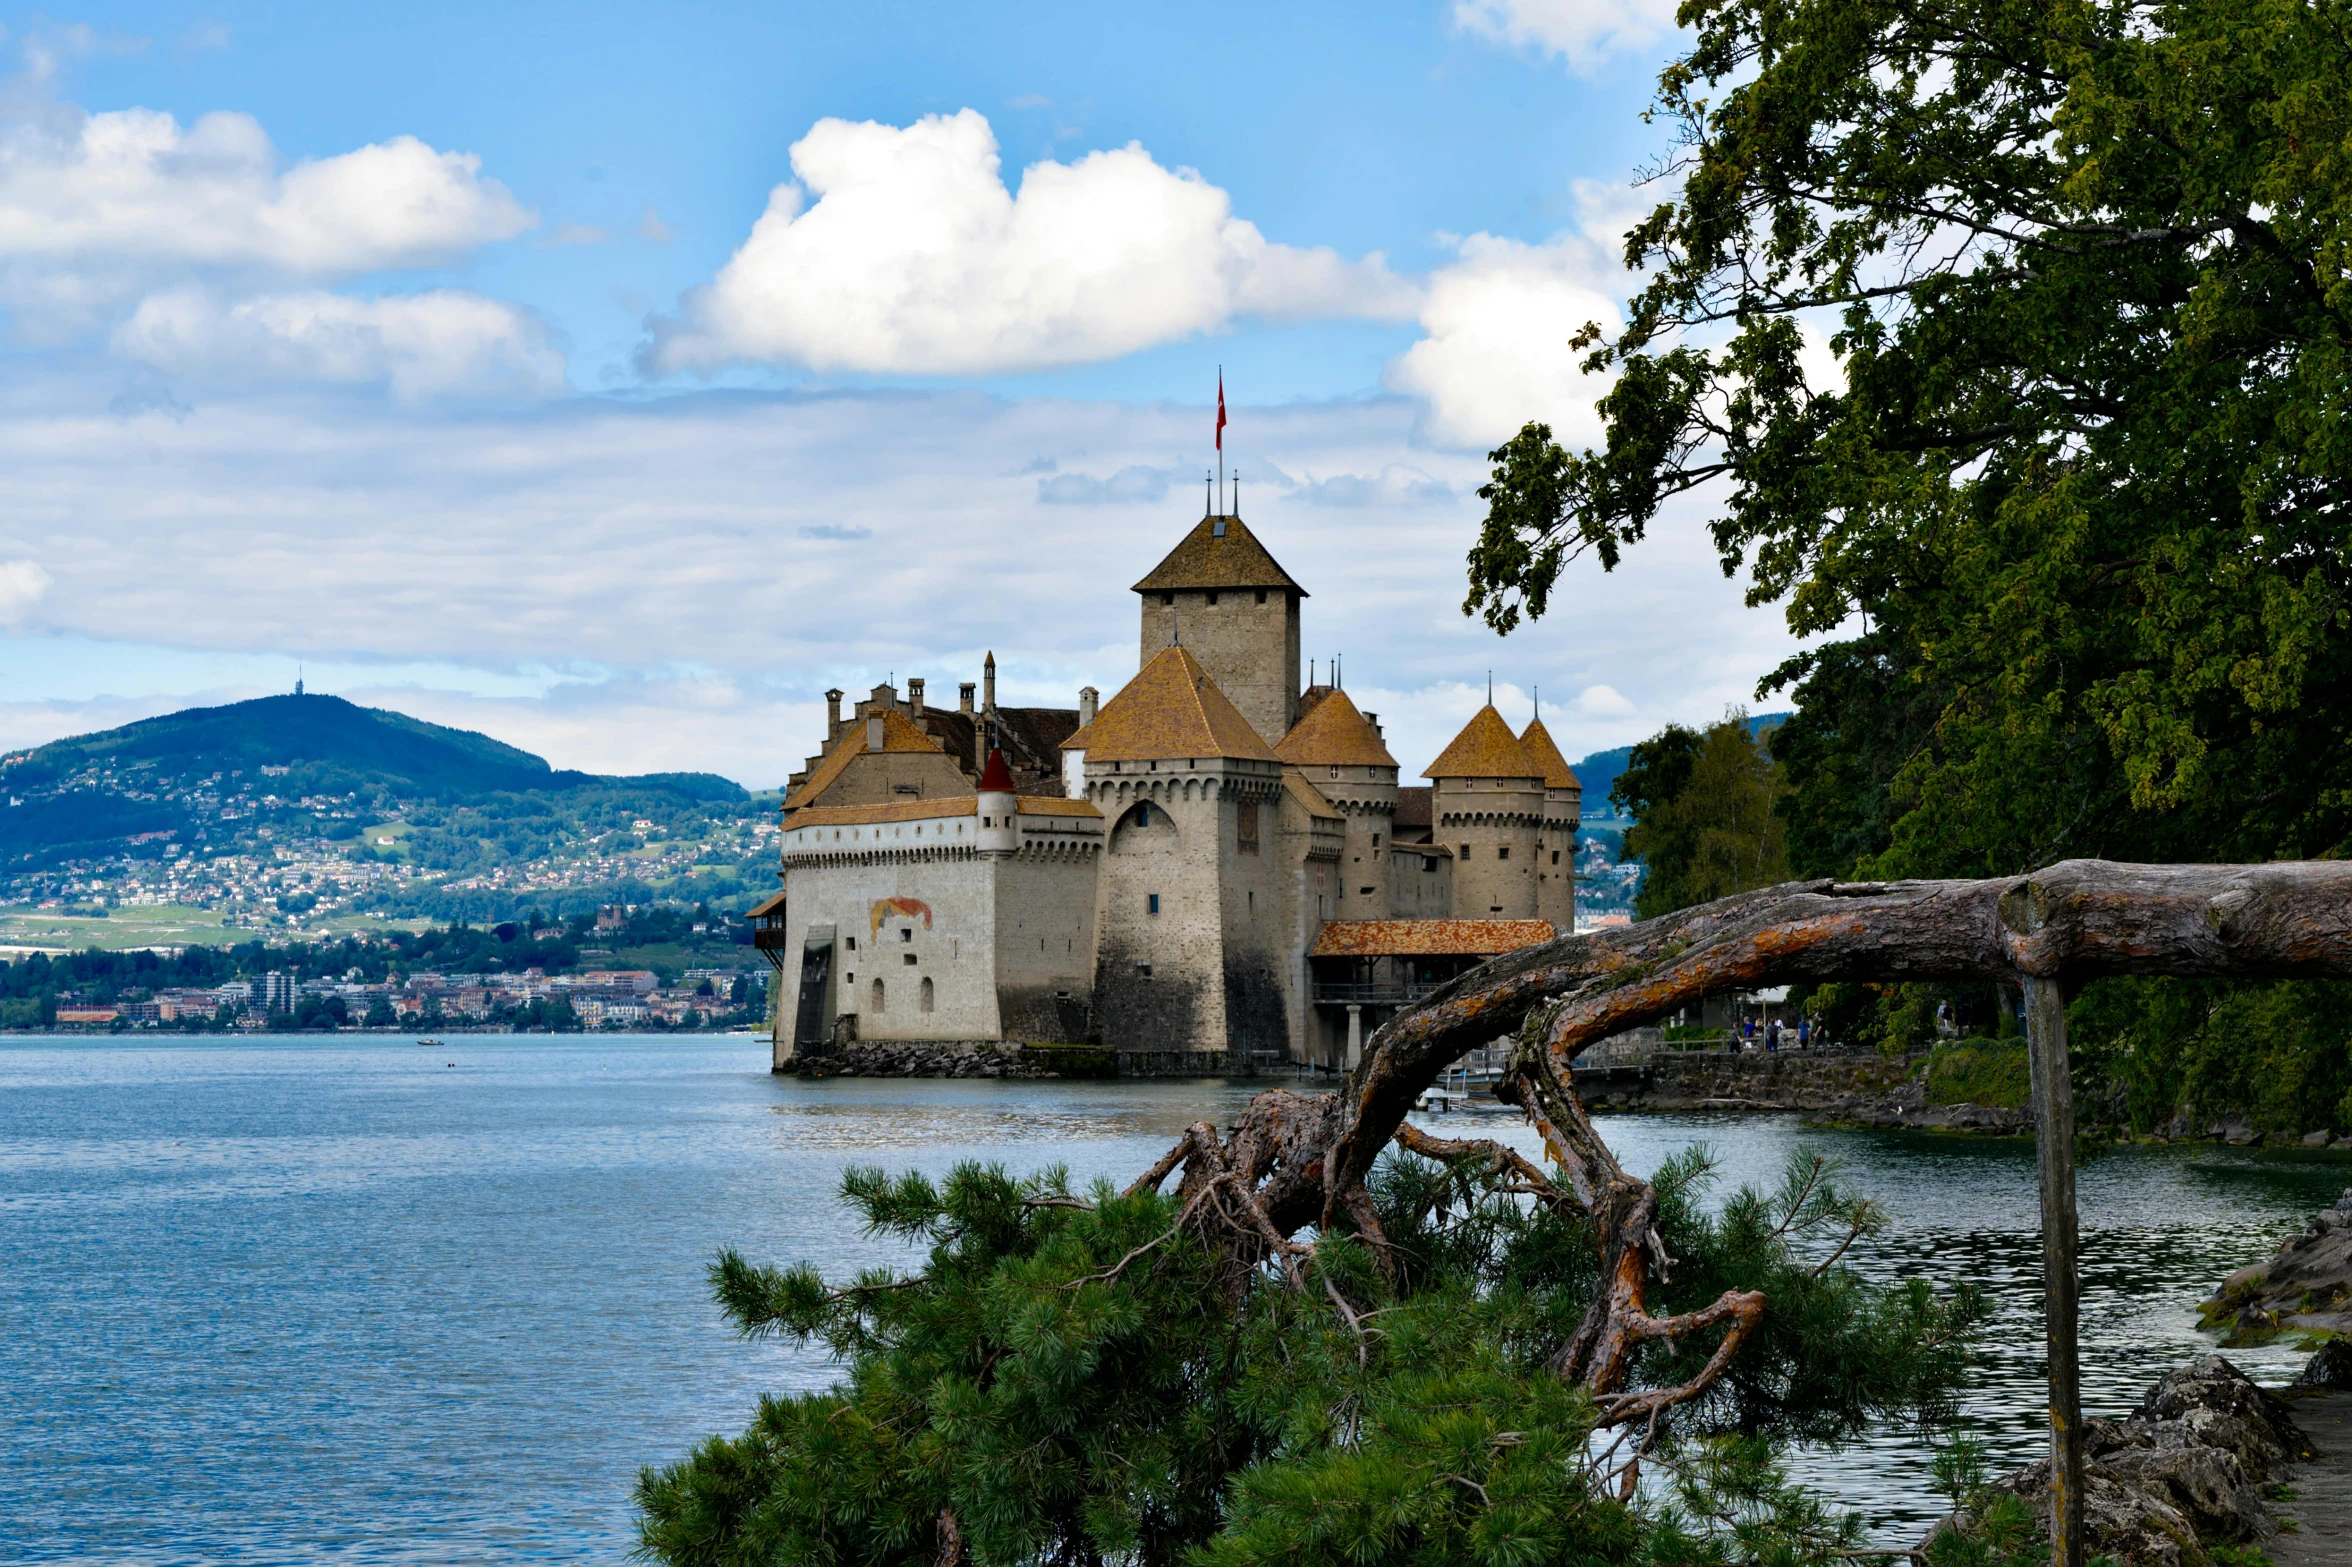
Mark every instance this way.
x=2080 y=464
x=1708 y=818
x=1073 y=1378
x=2006 y=348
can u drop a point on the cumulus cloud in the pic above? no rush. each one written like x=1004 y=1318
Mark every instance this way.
x=901 y=250
x=1582 y=32
x=22 y=582
x=1495 y=352
x=446 y=342
x=94 y=203
x=1599 y=701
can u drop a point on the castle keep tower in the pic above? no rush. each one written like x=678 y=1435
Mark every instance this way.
x=1192 y=945
x=1339 y=751
x=1222 y=596
x=1489 y=809
x=1555 y=865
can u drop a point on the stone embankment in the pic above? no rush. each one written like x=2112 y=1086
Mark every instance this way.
x=991 y=1058
x=1854 y=1090
x=2189 y=1470
x=2306 y=1286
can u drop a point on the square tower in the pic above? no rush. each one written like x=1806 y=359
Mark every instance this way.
x=1224 y=598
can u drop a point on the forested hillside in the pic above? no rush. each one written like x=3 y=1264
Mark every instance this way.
x=288 y=805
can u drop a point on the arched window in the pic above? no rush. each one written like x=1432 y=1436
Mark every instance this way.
x=923 y=997
x=877 y=1008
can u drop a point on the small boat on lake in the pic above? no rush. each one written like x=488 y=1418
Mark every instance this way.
x=429 y=1044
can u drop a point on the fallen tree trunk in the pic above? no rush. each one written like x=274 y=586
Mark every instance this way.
x=1298 y=1161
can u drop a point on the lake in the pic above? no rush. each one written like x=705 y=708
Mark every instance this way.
x=324 y=1298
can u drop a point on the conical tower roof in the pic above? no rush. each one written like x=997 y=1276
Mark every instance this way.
x=1171 y=708
x=1220 y=552
x=1334 y=734
x=1536 y=741
x=1485 y=748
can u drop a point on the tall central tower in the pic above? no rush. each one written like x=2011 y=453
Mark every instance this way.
x=1236 y=611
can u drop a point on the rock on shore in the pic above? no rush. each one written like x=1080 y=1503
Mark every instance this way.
x=2306 y=1286
x=2186 y=1469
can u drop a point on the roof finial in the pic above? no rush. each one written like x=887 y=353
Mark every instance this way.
x=1539 y=704
x=1490 y=688
x=1208 y=495
x=1310 y=674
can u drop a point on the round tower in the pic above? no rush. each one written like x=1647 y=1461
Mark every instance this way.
x=999 y=808
x=1489 y=809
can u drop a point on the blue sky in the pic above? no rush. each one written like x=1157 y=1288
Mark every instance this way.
x=615 y=381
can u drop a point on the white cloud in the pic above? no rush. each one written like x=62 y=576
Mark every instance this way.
x=663 y=554
x=1134 y=483
x=1397 y=484
x=915 y=258
x=446 y=342
x=93 y=204
x=1496 y=352
x=1602 y=702
x=22 y=582
x=1582 y=32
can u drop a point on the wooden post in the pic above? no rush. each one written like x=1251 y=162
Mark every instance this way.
x=2053 y=1097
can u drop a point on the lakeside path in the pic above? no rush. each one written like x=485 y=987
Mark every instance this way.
x=2322 y=1508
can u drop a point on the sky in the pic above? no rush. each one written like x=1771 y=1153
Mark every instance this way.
x=615 y=382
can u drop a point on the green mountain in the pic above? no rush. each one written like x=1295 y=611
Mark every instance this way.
x=311 y=732
x=321 y=782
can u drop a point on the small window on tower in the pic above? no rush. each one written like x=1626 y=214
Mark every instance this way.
x=906 y=932
x=1152 y=903
x=1465 y=854
x=1167 y=598
x=1503 y=853
x=1555 y=856
x=1261 y=595
x=1212 y=598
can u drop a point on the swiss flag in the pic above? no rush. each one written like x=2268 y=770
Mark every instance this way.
x=1220 y=410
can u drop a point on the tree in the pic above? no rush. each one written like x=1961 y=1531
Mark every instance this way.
x=2015 y=337
x=1707 y=814
x=2079 y=467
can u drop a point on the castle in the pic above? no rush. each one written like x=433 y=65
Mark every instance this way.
x=1216 y=861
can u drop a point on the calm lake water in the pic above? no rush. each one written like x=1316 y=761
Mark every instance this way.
x=302 y=1300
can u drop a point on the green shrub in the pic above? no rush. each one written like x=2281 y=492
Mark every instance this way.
x=1980 y=1072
